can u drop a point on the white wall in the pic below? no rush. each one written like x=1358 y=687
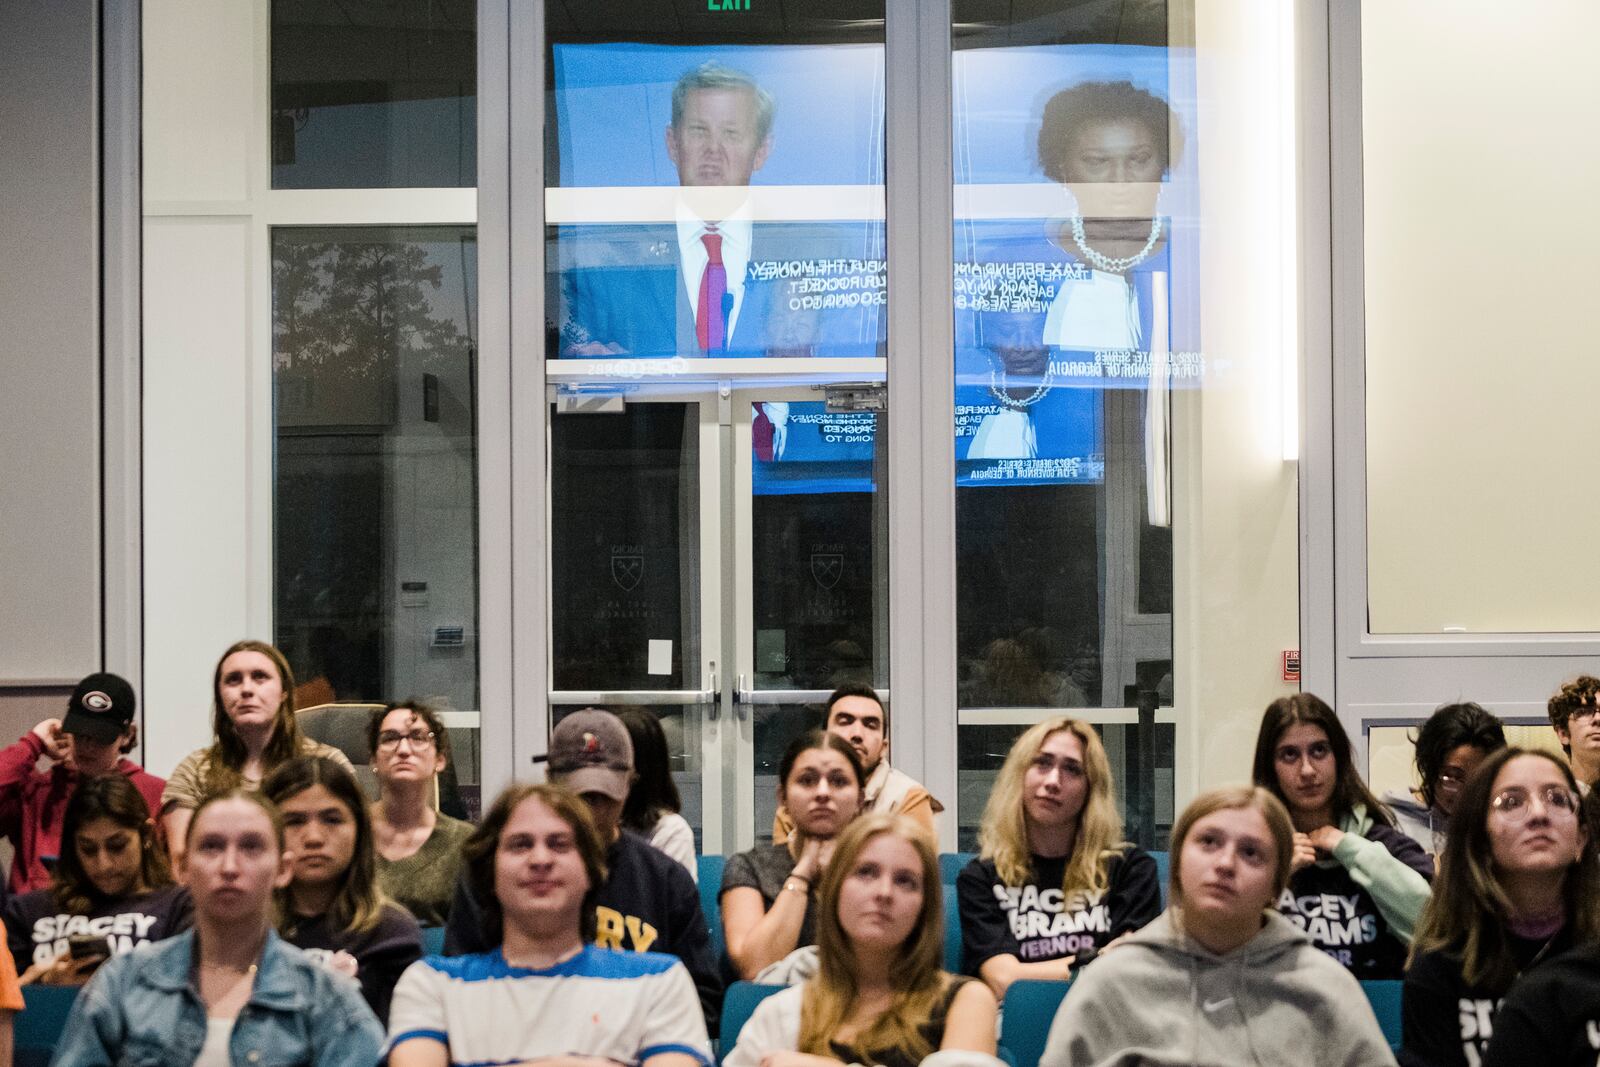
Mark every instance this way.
x=50 y=515
x=207 y=402
x=1482 y=464
x=1235 y=496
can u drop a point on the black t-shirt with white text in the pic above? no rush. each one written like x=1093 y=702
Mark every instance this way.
x=1551 y=1017
x=37 y=930
x=1033 y=921
x=1342 y=918
x=382 y=952
x=1448 y=1023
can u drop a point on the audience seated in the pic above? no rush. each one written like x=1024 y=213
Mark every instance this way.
x=332 y=907
x=1517 y=885
x=1575 y=717
x=229 y=990
x=1053 y=877
x=879 y=995
x=645 y=902
x=856 y=714
x=88 y=743
x=111 y=885
x=419 y=848
x=1551 y=1018
x=767 y=891
x=1358 y=884
x=1219 y=979
x=253 y=729
x=1449 y=747
x=545 y=991
x=653 y=808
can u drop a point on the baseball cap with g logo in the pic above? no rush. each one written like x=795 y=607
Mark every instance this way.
x=101 y=708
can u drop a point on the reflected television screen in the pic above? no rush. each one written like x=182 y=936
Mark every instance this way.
x=716 y=201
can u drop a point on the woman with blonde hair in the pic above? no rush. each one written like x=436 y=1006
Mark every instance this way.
x=879 y=995
x=253 y=729
x=1220 y=979
x=1053 y=876
x=1517 y=885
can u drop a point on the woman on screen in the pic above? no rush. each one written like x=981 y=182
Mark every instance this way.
x=1517 y=885
x=879 y=995
x=1358 y=885
x=1220 y=978
x=1053 y=878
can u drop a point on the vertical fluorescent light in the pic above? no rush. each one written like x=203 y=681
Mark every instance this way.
x=1289 y=228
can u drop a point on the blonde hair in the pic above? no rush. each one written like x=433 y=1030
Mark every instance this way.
x=829 y=998
x=1231 y=798
x=1003 y=835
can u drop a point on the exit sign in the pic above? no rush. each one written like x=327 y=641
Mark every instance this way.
x=727 y=5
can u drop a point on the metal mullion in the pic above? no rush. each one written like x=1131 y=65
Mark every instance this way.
x=922 y=608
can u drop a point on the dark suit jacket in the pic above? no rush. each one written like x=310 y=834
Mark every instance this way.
x=622 y=285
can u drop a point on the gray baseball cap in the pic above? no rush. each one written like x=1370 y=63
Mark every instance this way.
x=591 y=752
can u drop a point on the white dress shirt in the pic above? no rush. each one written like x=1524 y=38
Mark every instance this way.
x=692 y=255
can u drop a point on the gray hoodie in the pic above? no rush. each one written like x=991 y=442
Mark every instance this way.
x=1162 y=1000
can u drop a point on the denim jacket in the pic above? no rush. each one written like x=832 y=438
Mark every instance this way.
x=142 y=1010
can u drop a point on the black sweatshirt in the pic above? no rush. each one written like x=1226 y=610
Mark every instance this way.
x=1552 y=1016
x=1448 y=1023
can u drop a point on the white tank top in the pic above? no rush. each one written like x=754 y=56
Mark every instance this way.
x=214 y=1053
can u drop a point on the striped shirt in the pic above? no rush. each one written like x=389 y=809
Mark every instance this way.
x=622 y=1006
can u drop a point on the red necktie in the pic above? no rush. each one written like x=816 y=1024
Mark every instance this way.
x=710 y=323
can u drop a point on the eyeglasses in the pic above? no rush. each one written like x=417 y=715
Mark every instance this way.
x=1516 y=805
x=1584 y=711
x=392 y=738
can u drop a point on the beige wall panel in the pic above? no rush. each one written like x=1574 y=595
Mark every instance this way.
x=1480 y=162
x=197 y=432
x=200 y=123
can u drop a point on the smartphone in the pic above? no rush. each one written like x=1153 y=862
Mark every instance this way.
x=88 y=946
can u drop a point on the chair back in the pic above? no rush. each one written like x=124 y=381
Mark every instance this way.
x=1163 y=872
x=1384 y=996
x=738 y=1004
x=952 y=931
x=710 y=878
x=951 y=863
x=1029 y=1009
x=40 y=1024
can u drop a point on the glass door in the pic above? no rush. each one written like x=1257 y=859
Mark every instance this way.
x=717 y=559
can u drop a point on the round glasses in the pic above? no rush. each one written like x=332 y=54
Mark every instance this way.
x=1515 y=805
x=392 y=738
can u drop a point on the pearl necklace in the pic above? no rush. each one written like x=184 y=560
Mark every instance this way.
x=998 y=389
x=1100 y=261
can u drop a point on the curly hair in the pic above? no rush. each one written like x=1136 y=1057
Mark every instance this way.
x=1446 y=730
x=1582 y=690
x=1068 y=112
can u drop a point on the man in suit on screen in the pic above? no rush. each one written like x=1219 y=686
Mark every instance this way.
x=681 y=288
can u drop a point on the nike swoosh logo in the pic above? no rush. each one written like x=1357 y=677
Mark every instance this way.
x=1214 y=1005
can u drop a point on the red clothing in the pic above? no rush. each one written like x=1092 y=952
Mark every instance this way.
x=34 y=803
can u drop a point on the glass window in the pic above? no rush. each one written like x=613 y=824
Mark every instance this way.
x=377 y=94
x=1071 y=133
x=375 y=494
x=715 y=195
